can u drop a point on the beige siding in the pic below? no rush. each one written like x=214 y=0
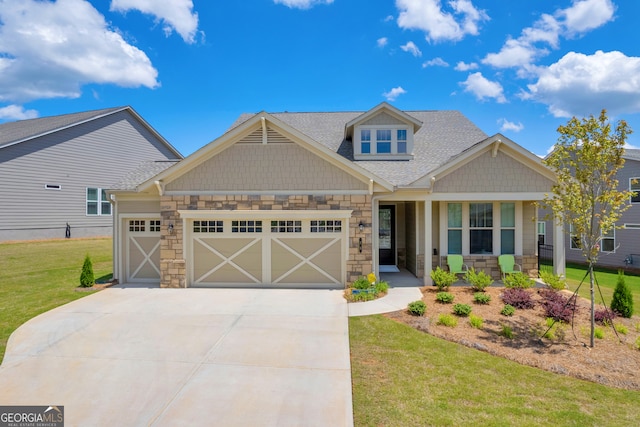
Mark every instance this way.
x=144 y=206
x=529 y=229
x=382 y=119
x=488 y=174
x=266 y=167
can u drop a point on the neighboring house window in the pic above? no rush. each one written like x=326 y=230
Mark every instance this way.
x=246 y=226
x=574 y=239
x=608 y=241
x=98 y=202
x=383 y=141
x=634 y=185
x=207 y=226
x=542 y=232
x=286 y=226
x=508 y=228
x=480 y=228
x=454 y=228
x=632 y=226
x=329 y=226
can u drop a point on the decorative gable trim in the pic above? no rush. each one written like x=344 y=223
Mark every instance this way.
x=389 y=109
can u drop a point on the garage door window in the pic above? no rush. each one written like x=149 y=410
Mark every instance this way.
x=207 y=227
x=326 y=226
x=137 y=225
x=246 y=226
x=286 y=226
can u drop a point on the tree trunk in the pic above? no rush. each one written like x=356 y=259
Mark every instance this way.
x=592 y=290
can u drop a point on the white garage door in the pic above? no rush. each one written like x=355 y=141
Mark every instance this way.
x=282 y=252
x=143 y=250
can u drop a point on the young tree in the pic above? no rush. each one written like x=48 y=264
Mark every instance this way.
x=586 y=198
x=86 y=276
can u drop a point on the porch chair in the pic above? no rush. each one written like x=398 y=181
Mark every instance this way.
x=508 y=265
x=456 y=264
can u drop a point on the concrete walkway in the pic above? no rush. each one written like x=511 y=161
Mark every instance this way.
x=173 y=357
x=396 y=299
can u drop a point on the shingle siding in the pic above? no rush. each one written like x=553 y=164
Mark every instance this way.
x=93 y=154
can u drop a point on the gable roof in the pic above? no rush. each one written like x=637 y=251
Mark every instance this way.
x=12 y=133
x=145 y=171
x=631 y=154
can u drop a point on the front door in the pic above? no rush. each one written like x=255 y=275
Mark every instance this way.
x=387 y=235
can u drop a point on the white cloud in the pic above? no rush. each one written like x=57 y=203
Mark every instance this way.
x=50 y=50
x=435 y=62
x=176 y=15
x=580 y=84
x=302 y=4
x=17 y=112
x=438 y=24
x=388 y=18
x=506 y=125
x=382 y=42
x=462 y=66
x=582 y=16
x=411 y=48
x=394 y=93
x=483 y=88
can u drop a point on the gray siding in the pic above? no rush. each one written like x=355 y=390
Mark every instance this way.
x=92 y=154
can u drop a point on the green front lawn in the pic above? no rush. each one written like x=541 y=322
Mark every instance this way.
x=38 y=276
x=403 y=377
x=607 y=280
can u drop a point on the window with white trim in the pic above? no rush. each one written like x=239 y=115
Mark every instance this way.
x=246 y=226
x=542 y=232
x=384 y=142
x=212 y=226
x=98 y=202
x=326 y=226
x=574 y=239
x=632 y=226
x=454 y=228
x=608 y=241
x=634 y=185
x=508 y=228
x=286 y=226
x=480 y=228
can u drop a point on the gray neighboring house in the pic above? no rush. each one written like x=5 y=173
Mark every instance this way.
x=54 y=170
x=621 y=247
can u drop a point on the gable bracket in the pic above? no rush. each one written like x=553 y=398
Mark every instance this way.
x=496 y=146
x=264 y=129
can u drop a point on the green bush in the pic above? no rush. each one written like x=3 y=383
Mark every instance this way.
x=638 y=343
x=443 y=279
x=461 y=309
x=622 y=301
x=87 y=279
x=620 y=328
x=598 y=333
x=507 y=332
x=479 y=280
x=554 y=281
x=447 y=320
x=381 y=287
x=518 y=280
x=508 y=310
x=444 y=297
x=481 y=298
x=417 y=308
x=361 y=283
x=476 y=321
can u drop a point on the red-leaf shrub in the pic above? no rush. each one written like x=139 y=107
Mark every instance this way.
x=518 y=298
x=604 y=315
x=558 y=306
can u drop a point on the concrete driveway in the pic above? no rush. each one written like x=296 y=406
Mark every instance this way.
x=225 y=357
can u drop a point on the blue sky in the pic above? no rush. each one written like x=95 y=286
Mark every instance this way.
x=190 y=68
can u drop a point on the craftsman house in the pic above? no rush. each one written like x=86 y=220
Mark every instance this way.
x=318 y=199
x=54 y=171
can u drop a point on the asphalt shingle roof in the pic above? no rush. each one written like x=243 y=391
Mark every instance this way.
x=13 y=132
x=145 y=171
x=632 y=153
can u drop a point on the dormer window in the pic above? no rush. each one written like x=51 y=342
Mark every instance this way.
x=383 y=143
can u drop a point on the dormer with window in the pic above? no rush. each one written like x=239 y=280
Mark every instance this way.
x=383 y=133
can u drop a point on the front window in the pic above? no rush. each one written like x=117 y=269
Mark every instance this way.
x=481 y=228
x=508 y=228
x=383 y=141
x=454 y=232
x=634 y=185
x=402 y=141
x=98 y=202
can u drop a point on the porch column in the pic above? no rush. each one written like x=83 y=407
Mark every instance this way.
x=428 y=243
x=559 y=266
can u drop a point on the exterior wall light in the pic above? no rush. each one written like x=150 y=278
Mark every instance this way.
x=361 y=226
x=170 y=228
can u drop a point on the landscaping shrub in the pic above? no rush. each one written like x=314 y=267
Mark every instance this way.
x=598 y=333
x=476 y=321
x=361 y=283
x=518 y=280
x=622 y=301
x=621 y=329
x=638 y=343
x=518 y=298
x=507 y=332
x=508 y=310
x=381 y=287
x=417 y=308
x=461 y=309
x=479 y=280
x=481 y=298
x=554 y=281
x=87 y=279
x=558 y=306
x=447 y=320
x=444 y=297
x=604 y=316
x=443 y=279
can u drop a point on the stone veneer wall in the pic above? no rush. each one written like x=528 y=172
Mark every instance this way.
x=489 y=264
x=173 y=264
